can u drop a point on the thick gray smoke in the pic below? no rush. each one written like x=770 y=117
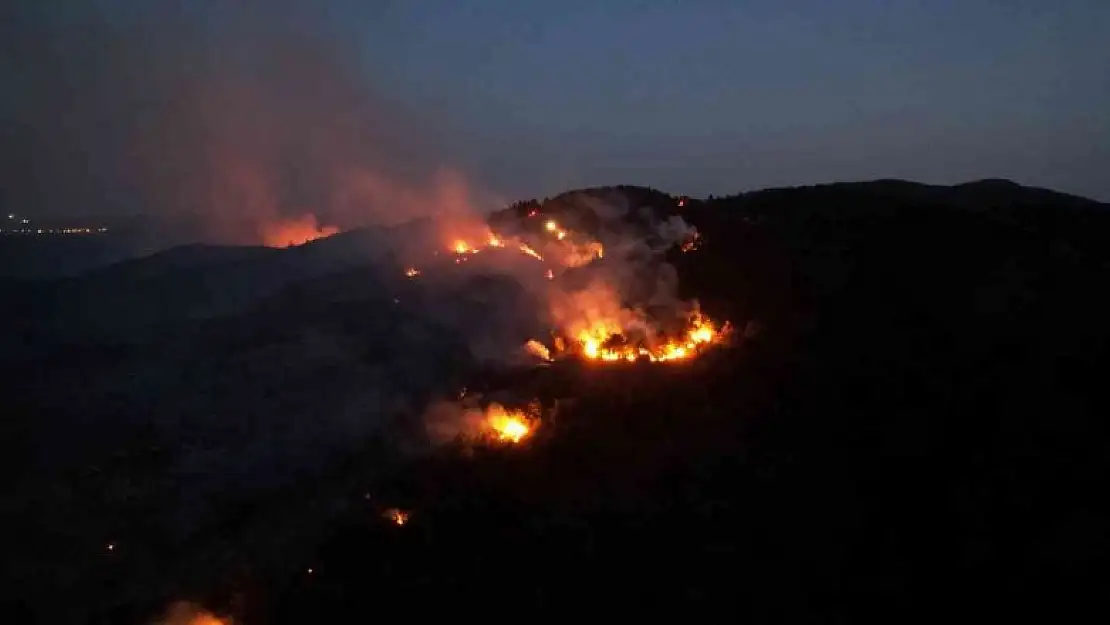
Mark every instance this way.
x=217 y=119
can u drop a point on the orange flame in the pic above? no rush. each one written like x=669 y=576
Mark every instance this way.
x=412 y=272
x=297 y=231
x=692 y=243
x=507 y=426
x=538 y=349
x=527 y=249
x=397 y=516
x=598 y=342
x=186 y=613
x=462 y=247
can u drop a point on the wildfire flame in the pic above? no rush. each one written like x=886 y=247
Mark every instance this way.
x=297 y=231
x=186 y=613
x=396 y=516
x=594 y=324
x=507 y=426
x=462 y=247
x=412 y=272
x=538 y=349
x=692 y=243
x=527 y=249
x=601 y=341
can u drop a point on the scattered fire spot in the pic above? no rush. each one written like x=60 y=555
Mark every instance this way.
x=186 y=613
x=508 y=426
x=538 y=349
x=412 y=272
x=692 y=243
x=296 y=231
x=396 y=516
x=527 y=249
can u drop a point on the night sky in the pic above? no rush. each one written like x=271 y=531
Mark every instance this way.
x=199 y=108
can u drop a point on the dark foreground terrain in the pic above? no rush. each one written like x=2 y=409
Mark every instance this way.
x=912 y=425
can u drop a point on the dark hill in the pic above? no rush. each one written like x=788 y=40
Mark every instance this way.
x=912 y=425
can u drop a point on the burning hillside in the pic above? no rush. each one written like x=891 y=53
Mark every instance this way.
x=610 y=296
x=295 y=231
x=471 y=423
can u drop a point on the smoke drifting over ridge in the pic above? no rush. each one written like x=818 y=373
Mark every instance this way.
x=216 y=119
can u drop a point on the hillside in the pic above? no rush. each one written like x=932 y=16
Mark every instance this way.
x=909 y=420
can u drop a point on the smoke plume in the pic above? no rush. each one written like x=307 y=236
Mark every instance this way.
x=221 y=121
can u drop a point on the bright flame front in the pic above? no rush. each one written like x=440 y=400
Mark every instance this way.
x=508 y=426
x=602 y=341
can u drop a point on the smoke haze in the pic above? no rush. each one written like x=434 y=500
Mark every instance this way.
x=217 y=119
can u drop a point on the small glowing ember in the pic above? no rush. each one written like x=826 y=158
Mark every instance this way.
x=550 y=275
x=550 y=225
x=396 y=516
x=412 y=272
x=692 y=243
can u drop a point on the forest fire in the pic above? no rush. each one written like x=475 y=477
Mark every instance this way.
x=186 y=613
x=692 y=243
x=396 y=516
x=507 y=426
x=296 y=231
x=527 y=249
x=463 y=248
x=598 y=322
x=606 y=341
x=538 y=349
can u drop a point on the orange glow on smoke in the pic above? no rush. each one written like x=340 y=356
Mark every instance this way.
x=186 y=613
x=295 y=231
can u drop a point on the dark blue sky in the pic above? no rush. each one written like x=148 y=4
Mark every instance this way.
x=713 y=96
x=175 y=107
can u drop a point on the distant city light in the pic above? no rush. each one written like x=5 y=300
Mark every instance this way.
x=50 y=231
